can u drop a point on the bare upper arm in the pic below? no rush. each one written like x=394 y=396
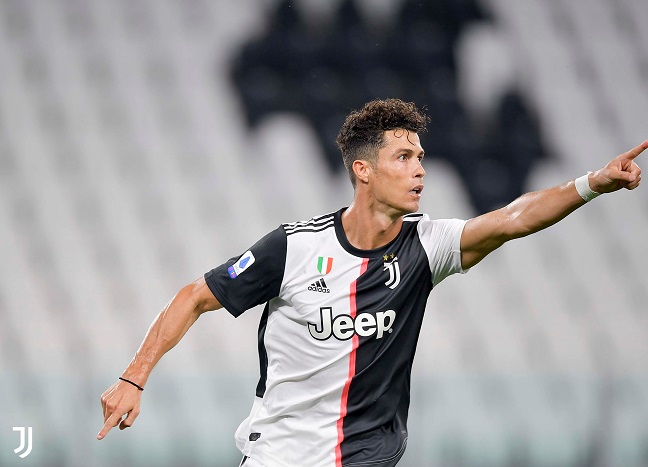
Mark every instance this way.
x=482 y=235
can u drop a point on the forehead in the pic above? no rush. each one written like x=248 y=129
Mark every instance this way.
x=399 y=139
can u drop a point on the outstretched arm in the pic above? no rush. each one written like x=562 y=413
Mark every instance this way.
x=535 y=211
x=123 y=398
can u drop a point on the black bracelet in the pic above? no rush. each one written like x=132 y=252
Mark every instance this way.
x=136 y=385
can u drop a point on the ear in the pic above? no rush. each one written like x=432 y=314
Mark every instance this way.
x=362 y=170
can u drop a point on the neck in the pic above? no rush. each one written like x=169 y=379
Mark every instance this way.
x=367 y=228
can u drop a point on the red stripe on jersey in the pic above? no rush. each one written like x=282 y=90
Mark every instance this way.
x=352 y=364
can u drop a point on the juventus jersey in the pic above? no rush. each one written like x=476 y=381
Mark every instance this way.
x=337 y=337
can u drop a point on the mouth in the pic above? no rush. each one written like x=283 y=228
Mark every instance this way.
x=417 y=190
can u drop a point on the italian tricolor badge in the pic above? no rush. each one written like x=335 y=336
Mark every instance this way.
x=324 y=264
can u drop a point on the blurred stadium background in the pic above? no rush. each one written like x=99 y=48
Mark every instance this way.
x=143 y=142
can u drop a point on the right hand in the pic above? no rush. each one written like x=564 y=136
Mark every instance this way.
x=620 y=172
x=119 y=399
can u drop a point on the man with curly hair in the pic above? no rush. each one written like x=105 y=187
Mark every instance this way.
x=345 y=295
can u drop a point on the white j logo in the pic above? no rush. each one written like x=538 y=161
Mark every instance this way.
x=394 y=273
x=27 y=449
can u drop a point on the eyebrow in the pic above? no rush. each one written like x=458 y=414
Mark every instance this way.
x=411 y=151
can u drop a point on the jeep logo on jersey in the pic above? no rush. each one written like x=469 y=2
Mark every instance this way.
x=343 y=327
x=394 y=270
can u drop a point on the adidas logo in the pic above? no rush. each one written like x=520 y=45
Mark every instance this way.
x=319 y=286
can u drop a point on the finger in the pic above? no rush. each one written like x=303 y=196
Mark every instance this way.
x=128 y=421
x=635 y=184
x=104 y=401
x=108 y=407
x=623 y=176
x=632 y=153
x=112 y=422
x=104 y=406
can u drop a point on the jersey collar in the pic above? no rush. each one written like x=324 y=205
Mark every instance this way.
x=342 y=238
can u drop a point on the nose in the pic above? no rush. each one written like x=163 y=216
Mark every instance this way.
x=420 y=171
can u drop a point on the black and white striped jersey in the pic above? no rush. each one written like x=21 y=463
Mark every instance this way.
x=337 y=337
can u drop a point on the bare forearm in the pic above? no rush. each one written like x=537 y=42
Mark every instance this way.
x=166 y=331
x=528 y=214
x=538 y=210
x=170 y=325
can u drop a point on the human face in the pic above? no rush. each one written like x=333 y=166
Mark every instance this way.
x=397 y=178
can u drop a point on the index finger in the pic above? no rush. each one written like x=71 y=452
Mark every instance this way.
x=632 y=153
x=108 y=426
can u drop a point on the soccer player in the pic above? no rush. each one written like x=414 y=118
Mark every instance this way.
x=345 y=295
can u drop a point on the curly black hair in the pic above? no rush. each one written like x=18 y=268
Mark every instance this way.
x=362 y=133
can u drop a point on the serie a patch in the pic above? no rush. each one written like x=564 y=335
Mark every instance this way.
x=244 y=262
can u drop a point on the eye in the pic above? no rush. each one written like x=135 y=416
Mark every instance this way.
x=402 y=157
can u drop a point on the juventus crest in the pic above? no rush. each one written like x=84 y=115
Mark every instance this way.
x=391 y=265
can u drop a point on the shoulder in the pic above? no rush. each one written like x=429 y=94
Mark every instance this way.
x=313 y=225
x=434 y=228
x=415 y=217
x=423 y=221
x=412 y=222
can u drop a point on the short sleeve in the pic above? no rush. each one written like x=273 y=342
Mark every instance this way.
x=252 y=278
x=441 y=240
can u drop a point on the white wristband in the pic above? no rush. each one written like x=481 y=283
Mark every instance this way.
x=583 y=188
